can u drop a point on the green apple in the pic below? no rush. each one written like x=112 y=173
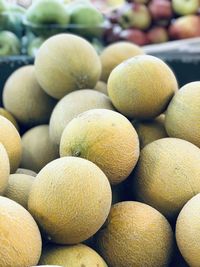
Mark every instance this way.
x=88 y=19
x=17 y=9
x=9 y=44
x=43 y=12
x=12 y=21
x=34 y=46
x=185 y=7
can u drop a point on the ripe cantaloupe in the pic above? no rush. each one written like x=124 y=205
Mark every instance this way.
x=115 y=54
x=11 y=140
x=4 y=169
x=167 y=175
x=18 y=188
x=70 y=199
x=66 y=62
x=25 y=99
x=183 y=113
x=38 y=149
x=142 y=87
x=72 y=105
x=149 y=131
x=135 y=234
x=20 y=237
x=26 y=171
x=104 y=137
x=9 y=116
x=101 y=87
x=187 y=231
x=73 y=256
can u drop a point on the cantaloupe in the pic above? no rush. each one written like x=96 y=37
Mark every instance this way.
x=70 y=199
x=183 y=113
x=115 y=54
x=18 y=188
x=4 y=169
x=187 y=231
x=167 y=175
x=72 y=256
x=101 y=87
x=142 y=87
x=25 y=99
x=135 y=234
x=9 y=116
x=72 y=105
x=104 y=137
x=37 y=148
x=11 y=140
x=26 y=171
x=66 y=62
x=20 y=237
x=151 y=130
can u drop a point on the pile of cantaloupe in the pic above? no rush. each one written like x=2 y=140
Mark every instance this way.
x=99 y=160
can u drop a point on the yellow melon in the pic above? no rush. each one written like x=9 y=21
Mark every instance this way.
x=70 y=199
x=11 y=140
x=9 y=116
x=135 y=234
x=72 y=256
x=4 y=169
x=38 y=149
x=26 y=171
x=142 y=87
x=183 y=113
x=104 y=137
x=101 y=87
x=25 y=99
x=65 y=63
x=72 y=105
x=149 y=131
x=187 y=231
x=19 y=186
x=115 y=54
x=167 y=175
x=20 y=237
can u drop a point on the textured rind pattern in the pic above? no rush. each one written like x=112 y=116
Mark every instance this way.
x=25 y=99
x=135 y=235
x=141 y=87
x=115 y=54
x=11 y=140
x=26 y=171
x=167 y=175
x=67 y=109
x=104 y=137
x=65 y=63
x=38 y=149
x=19 y=186
x=183 y=113
x=4 y=169
x=149 y=131
x=70 y=199
x=187 y=231
x=20 y=238
x=72 y=256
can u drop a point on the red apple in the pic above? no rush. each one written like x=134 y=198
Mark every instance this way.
x=135 y=36
x=112 y=34
x=158 y=35
x=138 y=1
x=136 y=16
x=185 y=27
x=161 y=9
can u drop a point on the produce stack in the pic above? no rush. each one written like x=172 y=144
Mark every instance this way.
x=154 y=21
x=99 y=160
